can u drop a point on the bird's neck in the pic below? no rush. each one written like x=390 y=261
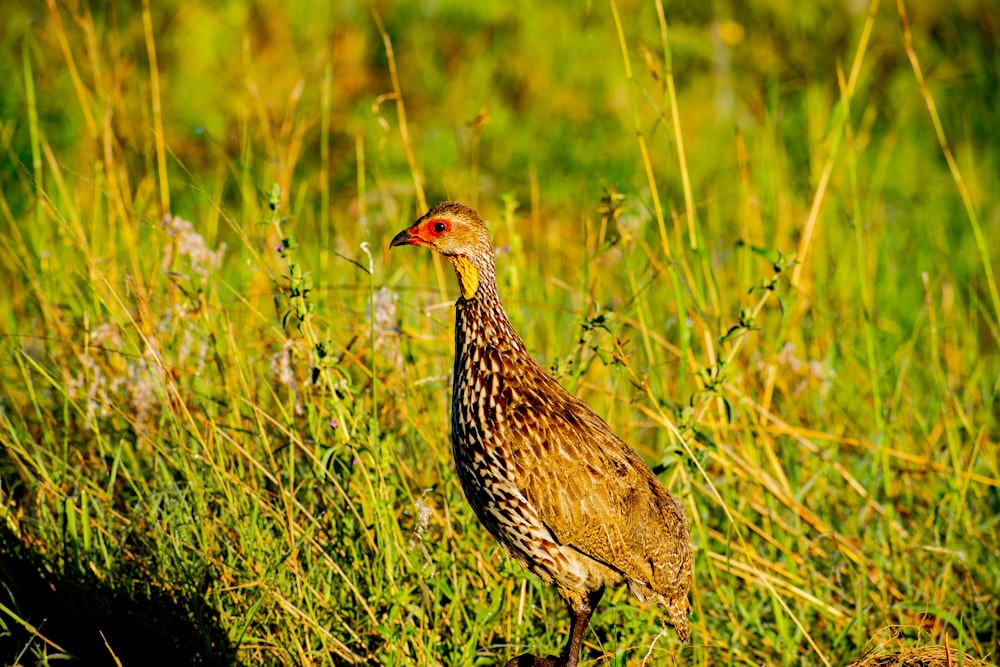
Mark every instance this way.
x=483 y=314
x=481 y=322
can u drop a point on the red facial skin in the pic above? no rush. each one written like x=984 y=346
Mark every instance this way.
x=423 y=233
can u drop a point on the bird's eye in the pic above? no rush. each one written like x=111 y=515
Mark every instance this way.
x=440 y=226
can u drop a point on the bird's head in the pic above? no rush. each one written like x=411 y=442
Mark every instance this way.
x=457 y=232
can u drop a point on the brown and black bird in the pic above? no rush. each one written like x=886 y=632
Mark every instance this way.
x=544 y=473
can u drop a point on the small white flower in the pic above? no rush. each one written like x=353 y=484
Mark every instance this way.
x=192 y=245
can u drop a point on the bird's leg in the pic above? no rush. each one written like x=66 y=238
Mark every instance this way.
x=579 y=613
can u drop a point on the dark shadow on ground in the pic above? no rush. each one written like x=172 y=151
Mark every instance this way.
x=142 y=622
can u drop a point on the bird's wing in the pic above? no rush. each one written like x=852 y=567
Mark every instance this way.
x=593 y=491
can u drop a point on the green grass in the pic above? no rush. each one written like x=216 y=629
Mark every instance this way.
x=224 y=406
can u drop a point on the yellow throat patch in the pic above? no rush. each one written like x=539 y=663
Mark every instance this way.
x=468 y=276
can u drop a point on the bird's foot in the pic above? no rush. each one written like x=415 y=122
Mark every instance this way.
x=529 y=660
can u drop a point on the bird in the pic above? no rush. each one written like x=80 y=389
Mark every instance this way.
x=545 y=475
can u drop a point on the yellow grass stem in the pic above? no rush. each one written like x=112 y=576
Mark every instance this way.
x=675 y=117
x=326 y=105
x=33 y=133
x=956 y=174
x=81 y=90
x=12 y=615
x=858 y=221
x=404 y=133
x=805 y=244
x=643 y=150
x=404 y=130
x=359 y=154
x=675 y=265
x=154 y=82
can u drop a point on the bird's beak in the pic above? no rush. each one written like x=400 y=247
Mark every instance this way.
x=406 y=237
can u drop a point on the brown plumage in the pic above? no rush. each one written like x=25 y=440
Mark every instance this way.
x=545 y=475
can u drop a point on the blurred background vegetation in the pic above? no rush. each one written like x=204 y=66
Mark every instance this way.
x=758 y=237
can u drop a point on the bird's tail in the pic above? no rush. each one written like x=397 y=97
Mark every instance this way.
x=678 y=611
